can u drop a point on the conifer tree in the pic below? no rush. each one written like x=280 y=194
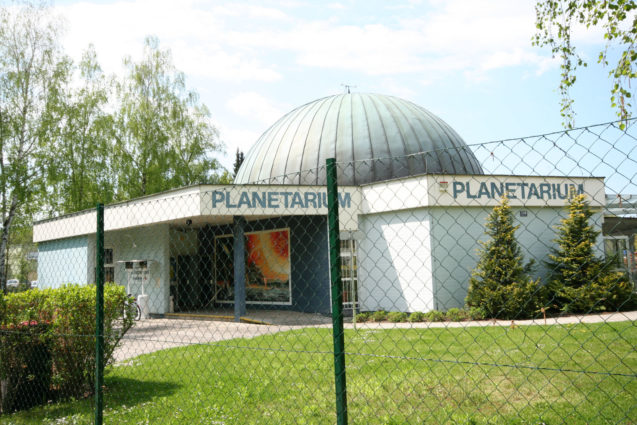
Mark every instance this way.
x=500 y=285
x=238 y=160
x=581 y=282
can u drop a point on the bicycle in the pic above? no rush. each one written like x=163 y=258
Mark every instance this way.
x=137 y=312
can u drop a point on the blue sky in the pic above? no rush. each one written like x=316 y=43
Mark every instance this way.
x=469 y=62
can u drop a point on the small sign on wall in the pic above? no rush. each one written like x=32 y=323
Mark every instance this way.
x=138 y=274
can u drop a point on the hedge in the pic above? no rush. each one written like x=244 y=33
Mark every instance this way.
x=69 y=315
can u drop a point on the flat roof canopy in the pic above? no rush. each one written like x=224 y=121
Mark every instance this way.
x=219 y=204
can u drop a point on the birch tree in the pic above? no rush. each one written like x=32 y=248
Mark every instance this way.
x=164 y=136
x=29 y=58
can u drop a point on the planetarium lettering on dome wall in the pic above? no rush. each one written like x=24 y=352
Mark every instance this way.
x=515 y=190
x=276 y=199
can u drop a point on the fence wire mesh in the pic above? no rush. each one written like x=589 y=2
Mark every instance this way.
x=502 y=296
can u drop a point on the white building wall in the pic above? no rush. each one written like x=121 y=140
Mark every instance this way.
x=140 y=243
x=394 y=260
x=63 y=261
x=455 y=236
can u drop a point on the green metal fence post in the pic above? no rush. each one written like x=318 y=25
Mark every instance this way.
x=337 y=294
x=99 y=315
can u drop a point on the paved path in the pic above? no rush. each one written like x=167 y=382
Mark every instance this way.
x=151 y=335
x=591 y=318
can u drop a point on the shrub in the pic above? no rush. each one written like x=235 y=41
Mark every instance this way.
x=70 y=310
x=416 y=316
x=500 y=284
x=476 y=313
x=580 y=282
x=20 y=288
x=379 y=316
x=25 y=365
x=397 y=316
x=435 y=316
x=362 y=317
x=456 y=315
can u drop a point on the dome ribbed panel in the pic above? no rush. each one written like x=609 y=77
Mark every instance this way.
x=373 y=138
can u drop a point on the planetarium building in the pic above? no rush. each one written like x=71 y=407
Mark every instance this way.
x=413 y=200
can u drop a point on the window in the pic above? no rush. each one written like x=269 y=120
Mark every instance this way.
x=109 y=268
x=617 y=248
x=349 y=273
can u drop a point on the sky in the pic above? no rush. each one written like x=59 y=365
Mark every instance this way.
x=469 y=62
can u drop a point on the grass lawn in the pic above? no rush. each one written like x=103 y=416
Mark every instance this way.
x=574 y=374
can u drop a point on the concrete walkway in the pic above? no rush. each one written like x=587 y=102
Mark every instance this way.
x=152 y=335
x=590 y=318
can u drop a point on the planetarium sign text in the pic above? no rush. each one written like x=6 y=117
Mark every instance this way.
x=275 y=199
x=514 y=190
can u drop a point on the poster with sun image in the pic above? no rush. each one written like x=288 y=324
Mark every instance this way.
x=268 y=267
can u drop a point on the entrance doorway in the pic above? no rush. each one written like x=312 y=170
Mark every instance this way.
x=618 y=247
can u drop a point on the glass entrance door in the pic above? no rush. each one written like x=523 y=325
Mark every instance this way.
x=619 y=248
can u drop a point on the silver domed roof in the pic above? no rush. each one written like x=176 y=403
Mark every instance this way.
x=372 y=137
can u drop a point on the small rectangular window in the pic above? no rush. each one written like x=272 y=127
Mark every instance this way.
x=109 y=266
x=349 y=273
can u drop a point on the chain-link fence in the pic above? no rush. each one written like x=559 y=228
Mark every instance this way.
x=502 y=296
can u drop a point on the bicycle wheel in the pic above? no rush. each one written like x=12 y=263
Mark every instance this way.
x=138 y=312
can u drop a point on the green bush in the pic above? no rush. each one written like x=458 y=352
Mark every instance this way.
x=609 y=292
x=397 y=316
x=25 y=365
x=379 y=316
x=580 y=282
x=620 y=292
x=435 y=316
x=70 y=311
x=20 y=288
x=362 y=317
x=476 y=313
x=416 y=316
x=456 y=315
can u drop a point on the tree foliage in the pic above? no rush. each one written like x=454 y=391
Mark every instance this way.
x=581 y=282
x=238 y=160
x=80 y=174
x=555 y=22
x=30 y=58
x=500 y=284
x=70 y=136
x=164 y=136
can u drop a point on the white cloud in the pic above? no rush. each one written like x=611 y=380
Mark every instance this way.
x=196 y=35
x=253 y=105
x=236 y=138
x=336 y=6
x=217 y=63
x=240 y=41
x=456 y=35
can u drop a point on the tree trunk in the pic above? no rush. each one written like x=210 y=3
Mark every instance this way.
x=4 y=242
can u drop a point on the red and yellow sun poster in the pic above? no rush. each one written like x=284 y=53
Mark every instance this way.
x=267 y=267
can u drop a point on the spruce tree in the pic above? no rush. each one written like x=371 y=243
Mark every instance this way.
x=238 y=160
x=500 y=285
x=581 y=282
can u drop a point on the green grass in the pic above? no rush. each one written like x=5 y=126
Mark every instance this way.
x=399 y=376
